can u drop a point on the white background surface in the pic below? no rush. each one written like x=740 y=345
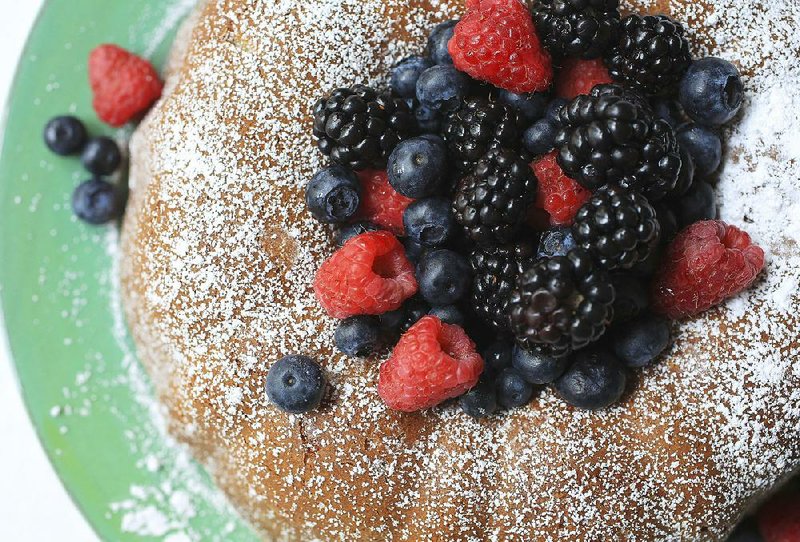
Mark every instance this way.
x=33 y=505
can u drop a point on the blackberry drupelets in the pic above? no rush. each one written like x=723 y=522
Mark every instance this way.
x=582 y=28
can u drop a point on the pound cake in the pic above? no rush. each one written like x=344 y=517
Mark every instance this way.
x=218 y=269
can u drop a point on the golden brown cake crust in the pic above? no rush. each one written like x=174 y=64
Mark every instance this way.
x=218 y=260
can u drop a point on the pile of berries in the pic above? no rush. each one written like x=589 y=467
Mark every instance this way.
x=529 y=203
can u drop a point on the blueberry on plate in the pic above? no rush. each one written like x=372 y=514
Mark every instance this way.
x=65 y=135
x=554 y=108
x=429 y=221
x=711 y=91
x=531 y=107
x=632 y=297
x=333 y=194
x=358 y=336
x=555 y=242
x=497 y=357
x=540 y=138
x=480 y=401
x=595 y=380
x=417 y=166
x=406 y=73
x=101 y=156
x=538 y=368
x=437 y=42
x=699 y=203
x=640 y=342
x=449 y=314
x=348 y=231
x=705 y=146
x=513 y=391
x=442 y=87
x=444 y=277
x=296 y=384
x=97 y=202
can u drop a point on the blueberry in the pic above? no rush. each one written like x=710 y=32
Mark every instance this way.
x=449 y=314
x=414 y=250
x=480 y=401
x=711 y=91
x=648 y=267
x=429 y=221
x=685 y=175
x=497 y=357
x=348 y=231
x=670 y=111
x=632 y=297
x=513 y=391
x=415 y=308
x=640 y=342
x=438 y=40
x=531 y=107
x=358 y=336
x=65 y=135
x=97 y=202
x=406 y=73
x=444 y=277
x=417 y=166
x=667 y=220
x=333 y=194
x=429 y=120
x=596 y=379
x=540 y=138
x=296 y=384
x=699 y=203
x=442 y=87
x=704 y=145
x=101 y=156
x=555 y=242
x=538 y=368
x=553 y=108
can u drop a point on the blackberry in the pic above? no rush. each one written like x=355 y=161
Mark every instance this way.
x=618 y=226
x=359 y=127
x=611 y=136
x=561 y=304
x=478 y=125
x=584 y=28
x=495 y=273
x=652 y=54
x=492 y=201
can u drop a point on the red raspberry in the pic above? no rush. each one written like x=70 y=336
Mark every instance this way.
x=559 y=196
x=432 y=362
x=497 y=42
x=580 y=77
x=705 y=264
x=370 y=274
x=380 y=203
x=124 y=85
x=779 y=519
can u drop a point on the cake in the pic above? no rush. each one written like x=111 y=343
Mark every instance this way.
x=219 y=257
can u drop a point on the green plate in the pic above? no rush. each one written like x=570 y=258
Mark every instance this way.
x=87 y=395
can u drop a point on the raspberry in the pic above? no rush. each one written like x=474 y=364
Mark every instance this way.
x=380 y=203
x=779 y=519
x=497 y=42
x=705 y=264
x=370 y=274
x=124 y=85
x=431 y=363
x=559 y=196
x=578 y=77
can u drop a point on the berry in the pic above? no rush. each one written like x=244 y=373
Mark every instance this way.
x=429 y=121
x=477 y=126
x=540 y=138
x=512 y=390
x=640 y=342
x=561 y=304
x=101 y=156
x=444 y=277
x=530 y=107
x=746 y=531
x=417 y=166
x=704 y=145
x=669 y=110
x=491 y=203
x=346 y=232
x=368 y=275
x=497 y=357
x=611 y=136
x=65 y=135
x=124 y=85
x=578 y=77
x=496 y=42
x=577 y=28
x=442 y=87
x=333 y=194
x=429 y=221
x=380 y=203
x=711 y=91
x=707 y=263
x=559 y=196
x=536 y=367
x=700 y=203
x=554 y=108
x=395 y=323
x=97 y=202
x=632 y=297
x=437 y=42
x=651 y=55
x=495 y=274
x=685 y=175
x=359 y=127
x=449 y=314
x=480 y=401
x=414 y=250
x=617 y=226
x=779 y=519
x=432 y=362
x=406 y=74
x=358 y=336
x=595 y=380
x=668 y=221
x=296 y=384
x=556 y=242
